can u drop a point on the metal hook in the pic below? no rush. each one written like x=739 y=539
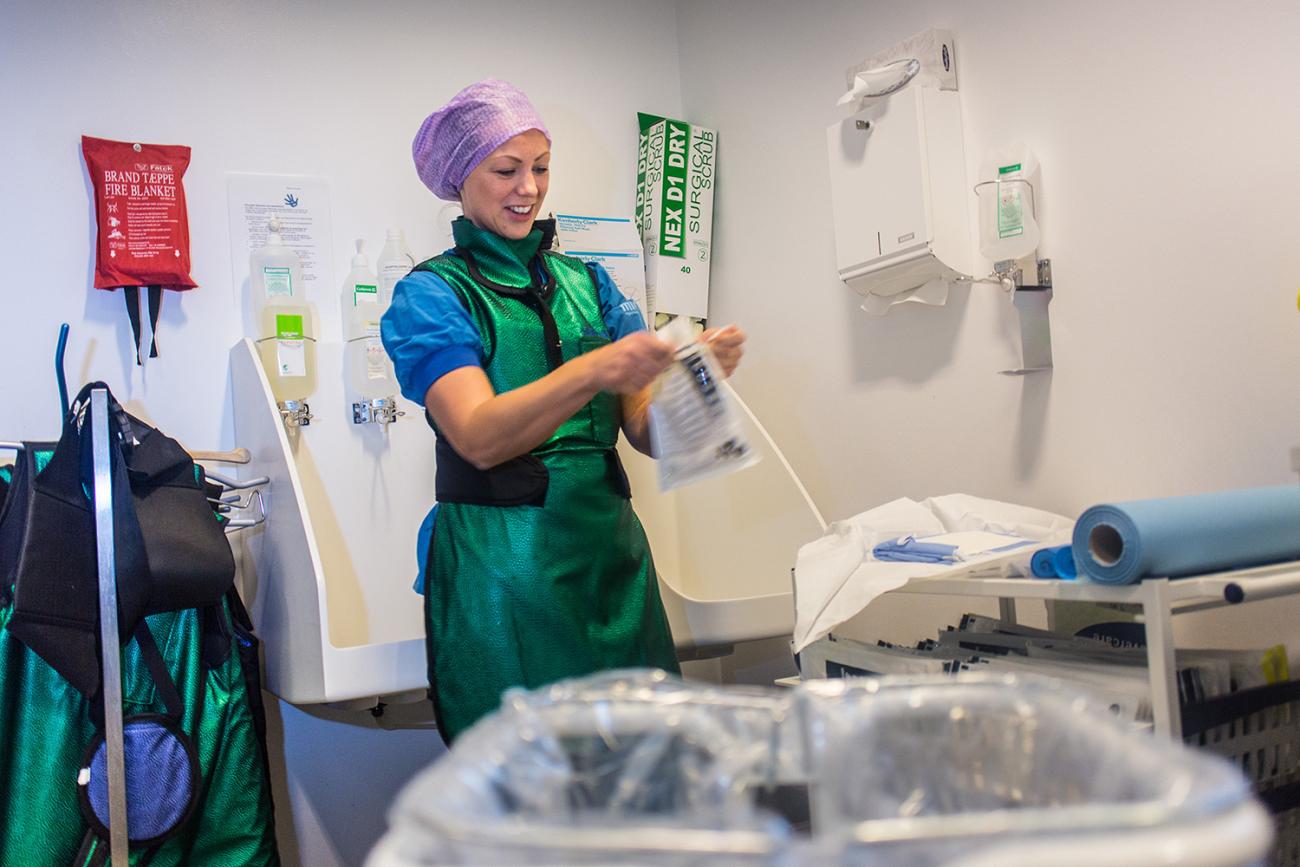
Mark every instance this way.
x=237 y=484
x=241 y=523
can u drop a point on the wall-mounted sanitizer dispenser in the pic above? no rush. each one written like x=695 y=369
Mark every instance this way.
x=898 y=176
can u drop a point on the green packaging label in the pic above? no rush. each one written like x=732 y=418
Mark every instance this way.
x=644 y=123
x=277 y=281
x=677 y=214
x=288 y=326
x=672 y=238
x=1006 y=170
x=363 y=294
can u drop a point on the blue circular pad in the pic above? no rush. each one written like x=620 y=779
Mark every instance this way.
x=161 y=779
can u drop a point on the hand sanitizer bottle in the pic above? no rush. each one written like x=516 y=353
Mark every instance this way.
x=368 y=372
x=395 y=262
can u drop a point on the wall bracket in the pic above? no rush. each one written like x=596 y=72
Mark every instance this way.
x=1031 y=303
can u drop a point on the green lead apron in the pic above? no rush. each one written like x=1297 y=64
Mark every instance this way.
x=538 y=569
x=46 y=728
x=210 y=656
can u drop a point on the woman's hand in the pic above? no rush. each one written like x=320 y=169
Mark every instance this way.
x=630 y=364
x=728 y=345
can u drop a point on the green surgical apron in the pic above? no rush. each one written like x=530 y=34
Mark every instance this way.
x=526 y=589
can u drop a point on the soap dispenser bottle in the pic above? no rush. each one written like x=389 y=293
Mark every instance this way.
x=274 y=271
x=367 y=371
x=286 y=341
x=395 y=262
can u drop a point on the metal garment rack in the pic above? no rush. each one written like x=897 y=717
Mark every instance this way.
x=105 y=552
x=1160 y=598
x=119 y=847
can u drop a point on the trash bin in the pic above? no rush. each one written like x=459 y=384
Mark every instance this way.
x=639 y=767
x=991 y=771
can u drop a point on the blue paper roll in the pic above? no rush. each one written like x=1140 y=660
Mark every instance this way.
x=1054 y=562
x=1043 y=563
x=1063 y=563
x=1125 y=542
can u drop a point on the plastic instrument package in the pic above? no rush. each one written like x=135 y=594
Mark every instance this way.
x=695 y=430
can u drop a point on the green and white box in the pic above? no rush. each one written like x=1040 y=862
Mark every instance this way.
x=676 y=169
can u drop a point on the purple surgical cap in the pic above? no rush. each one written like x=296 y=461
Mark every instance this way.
x=458 y=136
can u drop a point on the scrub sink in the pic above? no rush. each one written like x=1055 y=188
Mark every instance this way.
x=724 y=548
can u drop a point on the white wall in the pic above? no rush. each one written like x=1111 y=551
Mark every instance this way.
x=1168 y=137
x=326 y=88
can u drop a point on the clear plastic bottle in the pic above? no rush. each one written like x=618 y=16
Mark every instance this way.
x=359 y=300
x=1008 y=224
x=274 y=271
x=368 y=372
x=395 y=262
x=286 y=321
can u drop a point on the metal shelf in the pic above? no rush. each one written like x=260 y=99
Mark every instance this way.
x=1188 y=594
x=1160 y=599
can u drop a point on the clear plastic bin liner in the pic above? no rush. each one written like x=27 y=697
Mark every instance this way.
x=633 y=767
x=638 y=767
x=922 y=772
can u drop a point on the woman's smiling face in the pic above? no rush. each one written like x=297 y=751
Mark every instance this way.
x=504 y=193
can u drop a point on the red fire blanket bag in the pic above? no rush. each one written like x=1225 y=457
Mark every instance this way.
x=142 y=233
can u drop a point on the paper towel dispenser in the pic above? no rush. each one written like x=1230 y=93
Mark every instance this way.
x=898 y=182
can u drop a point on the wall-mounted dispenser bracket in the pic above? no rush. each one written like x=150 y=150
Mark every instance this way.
x=296 y=413
x=1031 y=303
x=382 y=411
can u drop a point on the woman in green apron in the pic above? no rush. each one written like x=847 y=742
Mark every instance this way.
x=528 y=364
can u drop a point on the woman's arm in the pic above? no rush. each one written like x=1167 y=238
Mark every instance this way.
x=636 y=419
x=487 y=428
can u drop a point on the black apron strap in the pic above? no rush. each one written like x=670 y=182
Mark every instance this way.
x=155 y=307
x=131 y=295
x=162 y=679
x=519 y=481
x=216 y=638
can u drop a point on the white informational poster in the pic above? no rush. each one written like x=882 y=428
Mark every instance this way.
x=302 y=204
x=612 y=242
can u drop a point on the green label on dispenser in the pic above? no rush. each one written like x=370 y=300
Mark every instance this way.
x=277 y=281
x=288 y=326
x=1011 y=211
x=1006 y=170
x=290 y=347
x=363 y=294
